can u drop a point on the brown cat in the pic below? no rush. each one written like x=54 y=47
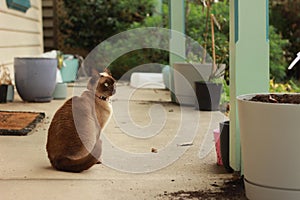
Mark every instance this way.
x=74 y=142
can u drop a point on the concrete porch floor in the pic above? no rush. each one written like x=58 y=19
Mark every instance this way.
x=25 y=171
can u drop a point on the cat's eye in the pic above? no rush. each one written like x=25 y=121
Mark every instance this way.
x=106 y=84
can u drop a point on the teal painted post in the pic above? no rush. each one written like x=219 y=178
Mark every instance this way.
x=249 y=61
x=177 y=42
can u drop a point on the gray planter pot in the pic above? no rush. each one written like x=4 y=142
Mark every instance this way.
x=35 y=78
x=185 y=76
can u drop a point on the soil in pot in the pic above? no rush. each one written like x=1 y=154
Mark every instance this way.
x=277 y=98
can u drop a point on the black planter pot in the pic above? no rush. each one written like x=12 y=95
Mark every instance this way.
x=208 y=96
x=224 y=144
x=3 y=93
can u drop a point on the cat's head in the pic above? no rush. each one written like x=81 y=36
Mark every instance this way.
x=103 y=84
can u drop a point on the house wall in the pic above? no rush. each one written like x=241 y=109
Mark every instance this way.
x=21 y=34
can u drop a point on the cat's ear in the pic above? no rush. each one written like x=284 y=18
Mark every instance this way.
x=107 y=71
x=94 y=79
x=95 y=73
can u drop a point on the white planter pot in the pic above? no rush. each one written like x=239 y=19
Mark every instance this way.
x=270 y=142
x=185 y=76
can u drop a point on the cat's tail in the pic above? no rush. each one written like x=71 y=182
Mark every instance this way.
x=68 y=164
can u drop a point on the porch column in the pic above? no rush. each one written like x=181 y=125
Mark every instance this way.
x=249 y=60
x=177 y=42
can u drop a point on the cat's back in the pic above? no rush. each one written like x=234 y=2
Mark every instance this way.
x=64 y=116
x=70 y=120
x=62 y=131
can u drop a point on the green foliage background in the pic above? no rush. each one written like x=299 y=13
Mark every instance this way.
x=285 y=17
x=89 y=22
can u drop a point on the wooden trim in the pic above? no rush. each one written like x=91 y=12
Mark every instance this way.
x=21 y=46
x=35 y=7
x=20 y=31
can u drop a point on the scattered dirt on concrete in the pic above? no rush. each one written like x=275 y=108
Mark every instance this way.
x=232 y=189
x=277 y=98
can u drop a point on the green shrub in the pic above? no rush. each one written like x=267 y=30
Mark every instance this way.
x=143 y=56
x=87 y=23
x=288 y=87
x=196 y=28
x=285 y=17
x=278 y=62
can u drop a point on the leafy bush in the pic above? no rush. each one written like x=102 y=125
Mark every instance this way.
x=89 y=22
x=284 y=15
x=225 y=96
x=291 y=86
x=137 y=58
x=278 y=62
x=143 y=56
x=196 y=28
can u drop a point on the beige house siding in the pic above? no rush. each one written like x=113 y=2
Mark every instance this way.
x=21 y=34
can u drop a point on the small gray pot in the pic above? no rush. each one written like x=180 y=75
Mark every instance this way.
x=10 y=93
x=60 y=91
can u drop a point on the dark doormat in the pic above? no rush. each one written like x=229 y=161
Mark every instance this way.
x=19 y=123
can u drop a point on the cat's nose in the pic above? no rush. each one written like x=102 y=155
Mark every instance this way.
x=114 y=91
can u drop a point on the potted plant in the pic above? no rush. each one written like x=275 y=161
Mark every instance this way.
x=269 y=130
x=60 y=91
x=200 y=67
x=6 y=86
x=209 y=92
x=185 y=75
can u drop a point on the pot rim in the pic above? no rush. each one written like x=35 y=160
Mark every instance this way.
x=207 y=83
x=247 y=97
x=34 y=58
x=192 y=63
